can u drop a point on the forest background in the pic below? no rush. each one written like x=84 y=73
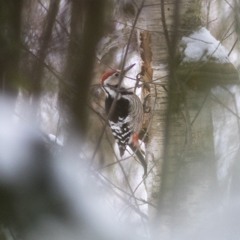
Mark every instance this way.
x=52 y=56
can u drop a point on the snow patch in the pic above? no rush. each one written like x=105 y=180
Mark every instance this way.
x=202 y=46
x=55 y=139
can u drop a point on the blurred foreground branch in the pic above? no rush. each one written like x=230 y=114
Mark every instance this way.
x=87 y=19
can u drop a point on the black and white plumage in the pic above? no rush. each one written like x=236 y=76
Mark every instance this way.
x=126 y=116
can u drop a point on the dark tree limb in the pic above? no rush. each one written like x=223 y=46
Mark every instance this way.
x=10 y=29
x=38 y=67
x=87 y=20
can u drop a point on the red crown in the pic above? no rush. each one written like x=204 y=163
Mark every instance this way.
x=107 y=74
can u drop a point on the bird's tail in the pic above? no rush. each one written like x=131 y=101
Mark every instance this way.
x=122 y=148
x=140 y=156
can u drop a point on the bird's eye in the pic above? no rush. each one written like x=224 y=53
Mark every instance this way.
x=116 y=74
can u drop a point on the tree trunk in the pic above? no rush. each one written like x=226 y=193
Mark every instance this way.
x=182 y=183
x=85 y=32
x=10 y=25
x=38 y=65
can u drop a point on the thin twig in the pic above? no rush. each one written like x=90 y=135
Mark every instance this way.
x=141 y=214
x=49 y=68
x=234 y=45
x=225 y=106
x=200 y=109
x=164 y=24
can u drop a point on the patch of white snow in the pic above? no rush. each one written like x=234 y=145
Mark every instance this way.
x=202 y=46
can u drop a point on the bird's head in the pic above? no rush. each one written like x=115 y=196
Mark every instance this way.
x=112 y=78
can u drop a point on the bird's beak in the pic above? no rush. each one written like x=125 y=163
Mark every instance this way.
x=128 y=68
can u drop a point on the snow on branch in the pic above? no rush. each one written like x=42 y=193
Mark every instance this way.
x=202 y=46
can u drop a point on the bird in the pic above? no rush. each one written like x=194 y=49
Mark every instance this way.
x=125 y=113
